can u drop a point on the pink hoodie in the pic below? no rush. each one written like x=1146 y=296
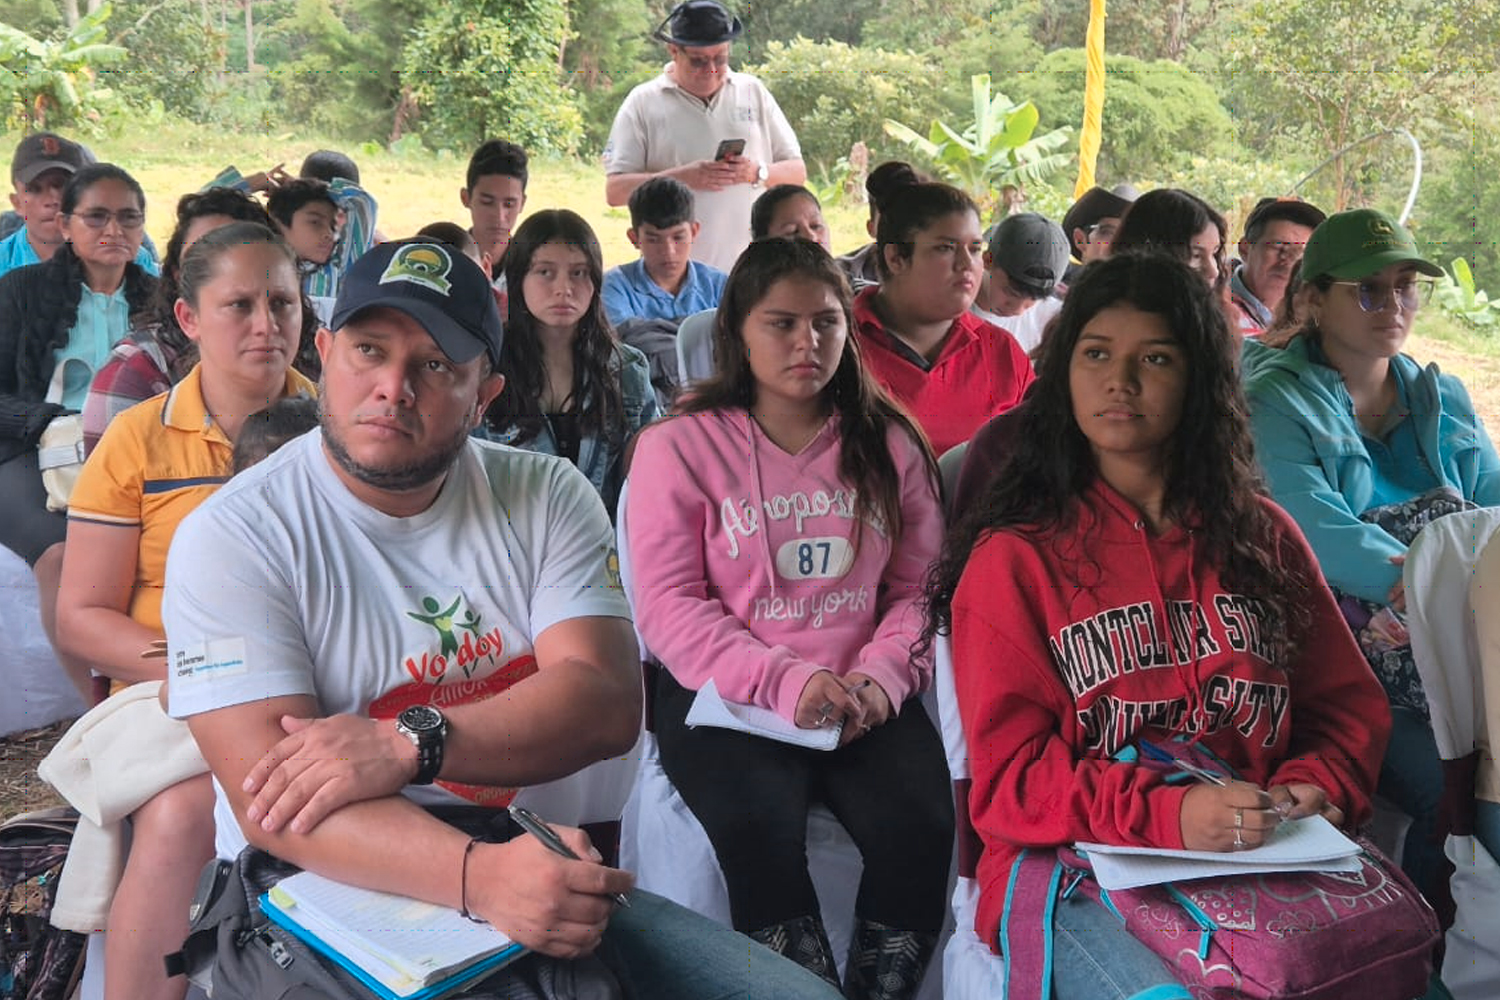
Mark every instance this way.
x=744 y=568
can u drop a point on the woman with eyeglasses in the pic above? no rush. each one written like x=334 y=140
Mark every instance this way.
x=156 y=354
x=58 y=321
x=1363 y=446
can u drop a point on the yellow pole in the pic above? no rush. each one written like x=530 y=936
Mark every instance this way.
x=1093 y=100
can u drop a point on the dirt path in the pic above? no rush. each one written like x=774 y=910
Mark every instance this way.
x=1481 y=375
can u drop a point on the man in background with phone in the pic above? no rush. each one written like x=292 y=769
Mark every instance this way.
x=719 y=132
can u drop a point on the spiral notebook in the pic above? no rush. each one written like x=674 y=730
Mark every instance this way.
x=401 y=948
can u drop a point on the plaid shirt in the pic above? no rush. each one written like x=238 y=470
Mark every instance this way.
x=137 y=369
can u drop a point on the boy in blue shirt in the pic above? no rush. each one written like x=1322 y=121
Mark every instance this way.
x=665 y=283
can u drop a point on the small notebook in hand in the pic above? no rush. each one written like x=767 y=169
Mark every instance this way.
x=1311 y=844
x=709 y=709
x=401 y=948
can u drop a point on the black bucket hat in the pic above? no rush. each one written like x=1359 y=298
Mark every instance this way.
x=696 y=24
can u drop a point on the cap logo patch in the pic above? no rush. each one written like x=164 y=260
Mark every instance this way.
x=1380 y=227
x=50 y=146
x=424 y=264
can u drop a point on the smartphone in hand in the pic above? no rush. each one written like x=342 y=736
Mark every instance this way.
x=728 y=148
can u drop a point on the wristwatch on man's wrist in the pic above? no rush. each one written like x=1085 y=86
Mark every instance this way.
x=427 y=729
x=761 y=173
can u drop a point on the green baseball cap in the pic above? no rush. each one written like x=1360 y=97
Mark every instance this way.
x=1356 y=244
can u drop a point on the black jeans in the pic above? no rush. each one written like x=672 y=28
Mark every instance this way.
x=890 y=789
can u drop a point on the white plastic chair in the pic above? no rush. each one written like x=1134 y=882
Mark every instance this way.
x=663 y=843
x=695 y=347
x=971 y=971
x=1440 y=567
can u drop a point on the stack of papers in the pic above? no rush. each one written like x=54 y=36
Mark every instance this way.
x=1302 y=845
x=709 y=709
x=401 y=948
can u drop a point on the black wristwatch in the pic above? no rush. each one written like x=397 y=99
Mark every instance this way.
x=427 y=730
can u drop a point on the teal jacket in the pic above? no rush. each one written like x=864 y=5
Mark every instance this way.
x=1309 y=445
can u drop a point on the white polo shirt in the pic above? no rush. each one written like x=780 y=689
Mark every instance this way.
x=661 y=126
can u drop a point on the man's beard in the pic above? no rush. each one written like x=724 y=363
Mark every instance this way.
x=397 y=479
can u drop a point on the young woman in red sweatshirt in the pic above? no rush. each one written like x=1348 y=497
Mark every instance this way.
x=781 y=528
x=1125 y=577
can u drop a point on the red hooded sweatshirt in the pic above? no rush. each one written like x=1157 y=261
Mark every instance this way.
x=1068 y=648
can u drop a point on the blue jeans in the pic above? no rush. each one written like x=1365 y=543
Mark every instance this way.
x=1411 y=776
x=662 y=951
x=1095 y=958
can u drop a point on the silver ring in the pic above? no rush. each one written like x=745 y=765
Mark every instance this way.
x=1239 y=841
x=1239 y=819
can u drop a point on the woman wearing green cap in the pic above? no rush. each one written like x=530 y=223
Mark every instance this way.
x=1362 y=446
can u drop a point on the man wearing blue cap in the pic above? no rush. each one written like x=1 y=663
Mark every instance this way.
x=389 y=618
x=719 y=132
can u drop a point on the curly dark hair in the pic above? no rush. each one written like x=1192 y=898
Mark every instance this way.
x=596 y=384
x=217 y=201
x=865 y=412
x=1213 y=485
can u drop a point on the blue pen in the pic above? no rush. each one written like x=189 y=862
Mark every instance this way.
x=1160 y=755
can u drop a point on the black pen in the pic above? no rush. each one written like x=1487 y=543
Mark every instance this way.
x=538 y=828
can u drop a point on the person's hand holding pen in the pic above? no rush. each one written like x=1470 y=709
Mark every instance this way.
x=1218 y=813
x=874 y=706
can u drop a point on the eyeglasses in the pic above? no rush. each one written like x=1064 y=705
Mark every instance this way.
x=705 y=63
x=1281 y=248
x=1373 y=296
x=98 y=218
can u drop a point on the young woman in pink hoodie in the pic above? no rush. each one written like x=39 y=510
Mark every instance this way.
x=780 y=530
x=1124 y=577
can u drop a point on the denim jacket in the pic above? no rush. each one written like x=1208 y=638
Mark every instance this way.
x=597 y=459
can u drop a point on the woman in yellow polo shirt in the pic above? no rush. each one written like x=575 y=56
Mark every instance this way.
x=241 y=304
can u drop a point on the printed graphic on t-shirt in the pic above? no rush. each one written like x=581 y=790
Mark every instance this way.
x=463 y=663
x=1117 y=642
x=741 y=518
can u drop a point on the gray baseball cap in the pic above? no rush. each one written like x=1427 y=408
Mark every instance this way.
x=1032 y=250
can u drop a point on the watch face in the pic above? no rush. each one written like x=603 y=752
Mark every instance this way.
x=421 y=719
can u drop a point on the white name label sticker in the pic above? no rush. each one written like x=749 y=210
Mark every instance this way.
x=205 y=661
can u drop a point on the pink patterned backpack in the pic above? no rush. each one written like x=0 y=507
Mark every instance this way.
x=1367 y=935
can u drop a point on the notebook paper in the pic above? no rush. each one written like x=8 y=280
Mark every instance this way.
x=709 y=709
x=405 y=945
x=1311 y=844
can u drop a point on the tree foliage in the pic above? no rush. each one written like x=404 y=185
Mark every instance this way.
x=175 y=57
x=835 y=95
x=483 y=68
x=1319 y=74
x=999 y=147
x=344 y=76
x=53 y=82
x=1156 y=114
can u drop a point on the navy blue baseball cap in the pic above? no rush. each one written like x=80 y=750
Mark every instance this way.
x=435 y=285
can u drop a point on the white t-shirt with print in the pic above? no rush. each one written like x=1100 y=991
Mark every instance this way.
x=283 y=583
x=660 y=126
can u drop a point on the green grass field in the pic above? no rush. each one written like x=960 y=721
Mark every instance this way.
x=412 y=191
x=175 y=158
